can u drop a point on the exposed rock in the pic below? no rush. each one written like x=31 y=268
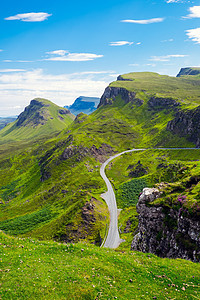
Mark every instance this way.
x=79 y=152
x=158 y=103
x=32 y=114
x=188 y=71
x=164 y=231
x=137 y=170
x=127 y=229
x=111 y=93
x=187 y=124
x=64 y=111
x=124 y=79
x=85 y=225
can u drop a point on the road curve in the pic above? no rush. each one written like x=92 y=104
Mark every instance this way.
x=113 y=239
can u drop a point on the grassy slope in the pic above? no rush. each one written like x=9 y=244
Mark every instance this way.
x=43 y=209
x=55 y=123
x=185 y=89
x=34 y=269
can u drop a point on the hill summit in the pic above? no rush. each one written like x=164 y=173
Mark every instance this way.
x=40 y=117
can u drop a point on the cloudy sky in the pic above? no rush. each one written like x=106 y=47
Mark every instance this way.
x=62 y=49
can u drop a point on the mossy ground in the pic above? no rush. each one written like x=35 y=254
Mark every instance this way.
x=32 y=269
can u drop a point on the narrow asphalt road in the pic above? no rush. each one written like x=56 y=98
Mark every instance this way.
x=113 y=239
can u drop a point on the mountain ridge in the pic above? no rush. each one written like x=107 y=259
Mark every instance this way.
x=83 y=104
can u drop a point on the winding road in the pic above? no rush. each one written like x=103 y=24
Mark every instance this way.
x=113 y=239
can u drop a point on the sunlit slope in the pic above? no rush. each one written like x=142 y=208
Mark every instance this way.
x=33 y=269
x=185 y=89
x=40 y=118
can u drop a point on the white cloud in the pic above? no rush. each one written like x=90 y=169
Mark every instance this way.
x=63 y=55
x=18 y=88
x=169 y=40
x=148 y=21
x=134 y=65
x=58 y=52
x=194 y=34
x=121 y=43
x=194 y=12
x=30 y=17
x=11 y=70
x=174 y=1
x=18 y=61
x=167 y=57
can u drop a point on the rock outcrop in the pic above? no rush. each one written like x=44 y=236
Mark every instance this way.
x=164 y=231
x=111 y=93
x=158 y=103
x=120 y=77
x=32 y=114
x=187 y=124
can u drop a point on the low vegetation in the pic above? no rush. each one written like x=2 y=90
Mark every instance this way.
x=32 y=269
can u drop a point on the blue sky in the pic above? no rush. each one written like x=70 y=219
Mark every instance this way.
x=62 y=49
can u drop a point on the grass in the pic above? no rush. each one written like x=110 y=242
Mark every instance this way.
x=53 y=122
x=185 y=89
x=128 y=192
x=33 y=269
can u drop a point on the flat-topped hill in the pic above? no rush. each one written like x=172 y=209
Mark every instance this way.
x=184 y=89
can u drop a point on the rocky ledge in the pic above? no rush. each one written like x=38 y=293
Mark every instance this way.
x=187 y=124
x=164 y=231
x=111 y=93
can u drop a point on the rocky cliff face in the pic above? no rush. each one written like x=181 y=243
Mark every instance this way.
x=32 y=114
x=112 y=92
x=187 y=124
x=165 y=231
x=158 y=103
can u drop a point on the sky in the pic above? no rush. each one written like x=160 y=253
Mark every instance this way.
x=60 y=50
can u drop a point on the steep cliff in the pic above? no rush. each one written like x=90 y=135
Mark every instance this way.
x=165 y=231
x=111 y=93
x=187 y=124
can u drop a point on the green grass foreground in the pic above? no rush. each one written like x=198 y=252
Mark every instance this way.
x=32 y=269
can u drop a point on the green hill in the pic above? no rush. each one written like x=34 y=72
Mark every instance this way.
x=40 y=118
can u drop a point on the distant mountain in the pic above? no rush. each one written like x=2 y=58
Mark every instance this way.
x=40 y=118
x=6 y=120
x=84 y=104
x=189 y=71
